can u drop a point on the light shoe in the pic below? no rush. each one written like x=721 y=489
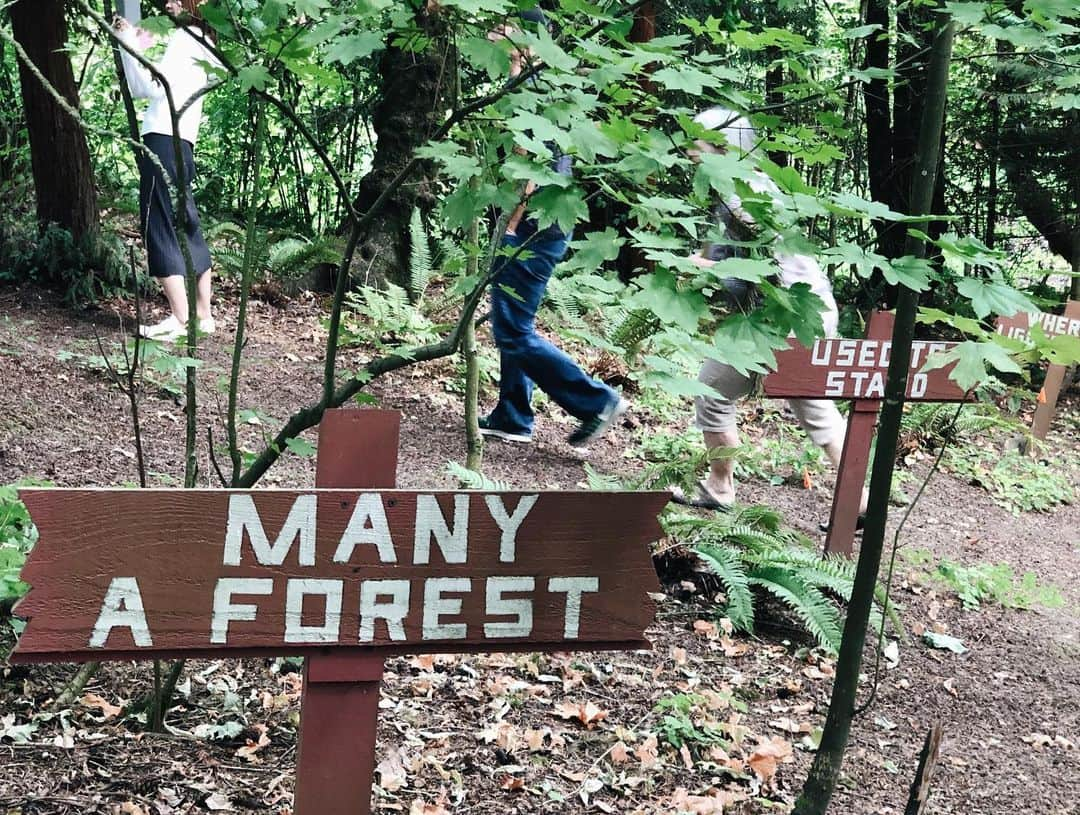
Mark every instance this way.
x=168 y=330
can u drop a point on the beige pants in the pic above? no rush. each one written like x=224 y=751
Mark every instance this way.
x=818 y=417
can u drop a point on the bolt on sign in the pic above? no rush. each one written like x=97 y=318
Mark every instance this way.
x=856 y=369
x=343 y=576
x=1053 y=325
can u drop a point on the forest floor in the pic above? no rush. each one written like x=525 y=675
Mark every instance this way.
x=539 y=733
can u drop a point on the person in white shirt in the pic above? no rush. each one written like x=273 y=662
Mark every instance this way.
x=716 y=415
x=183 y=67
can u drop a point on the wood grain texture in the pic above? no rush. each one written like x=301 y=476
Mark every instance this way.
x=173 y=543
x=855 y=457
x=836 y=368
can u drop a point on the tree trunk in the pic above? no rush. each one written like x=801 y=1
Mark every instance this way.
x=415 y=91
x=825 y=771
x=60 y=157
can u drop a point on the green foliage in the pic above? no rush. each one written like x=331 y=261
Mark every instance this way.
x=994 y=583
x=1015 y=481
x=17 y=536
x=274 y=257
x=81 y=270
x=158 y=365
x=383 y=318
x=749 y=548
x=421 y=266
x=938 y=423
x=680 y=723
x=472 y=480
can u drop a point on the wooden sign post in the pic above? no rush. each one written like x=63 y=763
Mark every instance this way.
x=1053 y=325
x=852 y=369
x=343 y=576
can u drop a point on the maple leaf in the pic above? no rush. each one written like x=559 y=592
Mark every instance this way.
x=109 y=711
x=768 y=755
x=703 y=628
x=647 y=753
x=249 y=750
x=619 y=754
x=588 y=714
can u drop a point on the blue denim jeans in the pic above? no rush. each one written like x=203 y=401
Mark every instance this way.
x=526 y=357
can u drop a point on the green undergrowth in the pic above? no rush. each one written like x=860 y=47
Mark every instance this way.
x=751 y=552
x=1015 y=481
x=17 y=536
x=984 y=583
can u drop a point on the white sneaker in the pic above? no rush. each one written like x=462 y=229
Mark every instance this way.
x=207 y=325
x=168 y=330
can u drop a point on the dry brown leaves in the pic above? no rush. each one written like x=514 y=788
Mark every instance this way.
x=588 y=713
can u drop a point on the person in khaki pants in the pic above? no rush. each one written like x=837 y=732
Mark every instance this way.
x=716 y=415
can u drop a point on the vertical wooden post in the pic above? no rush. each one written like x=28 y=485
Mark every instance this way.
x=1055 y=377
x=339 y=709
x=855 y=458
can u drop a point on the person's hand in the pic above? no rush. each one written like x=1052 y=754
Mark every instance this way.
x=701 y=261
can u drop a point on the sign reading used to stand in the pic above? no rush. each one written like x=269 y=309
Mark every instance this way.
x=1053 y=325
x=836 y=368
x=120 y=574
x=856 y=369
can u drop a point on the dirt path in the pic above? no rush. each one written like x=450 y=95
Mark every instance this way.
x=496 y=734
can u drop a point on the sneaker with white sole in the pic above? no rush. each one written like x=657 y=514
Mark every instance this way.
x=489 y=429
x=207 y=325
x=594 y=428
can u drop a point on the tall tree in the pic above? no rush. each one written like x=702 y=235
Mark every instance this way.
x=60 y=157
x=415 y=88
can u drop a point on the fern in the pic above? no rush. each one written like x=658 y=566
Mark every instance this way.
x=472 y=480
x=421 y=266
x=751 y=547
x=601 y=482
x=726 y=563
x=820 y=617
x=636 y=327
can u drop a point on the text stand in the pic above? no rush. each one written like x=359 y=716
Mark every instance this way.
x=855 y=458
x=339 y=712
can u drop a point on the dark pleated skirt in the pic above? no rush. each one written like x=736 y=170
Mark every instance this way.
x=156 y=210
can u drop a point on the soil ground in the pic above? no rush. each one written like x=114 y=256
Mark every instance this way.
x=533 y=733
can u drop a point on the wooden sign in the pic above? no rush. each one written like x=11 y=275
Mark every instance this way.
x=856 y=369
x=836 y=368
x=343 y=576
x=117 y=574
x=1053 y=325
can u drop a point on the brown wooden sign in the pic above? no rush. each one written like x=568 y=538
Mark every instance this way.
x=856 y=369
x=836 y=368
x=1053 y=325
x=122 y=574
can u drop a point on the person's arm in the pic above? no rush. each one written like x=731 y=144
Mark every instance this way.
x=141 y=82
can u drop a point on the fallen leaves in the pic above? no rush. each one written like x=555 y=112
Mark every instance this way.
x=588 y=713
x=768 y=755
x=108 y=710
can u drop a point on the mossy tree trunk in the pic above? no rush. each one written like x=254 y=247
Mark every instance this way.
x=60 y=157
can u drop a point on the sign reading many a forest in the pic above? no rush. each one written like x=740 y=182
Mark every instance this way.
x=117 y=574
